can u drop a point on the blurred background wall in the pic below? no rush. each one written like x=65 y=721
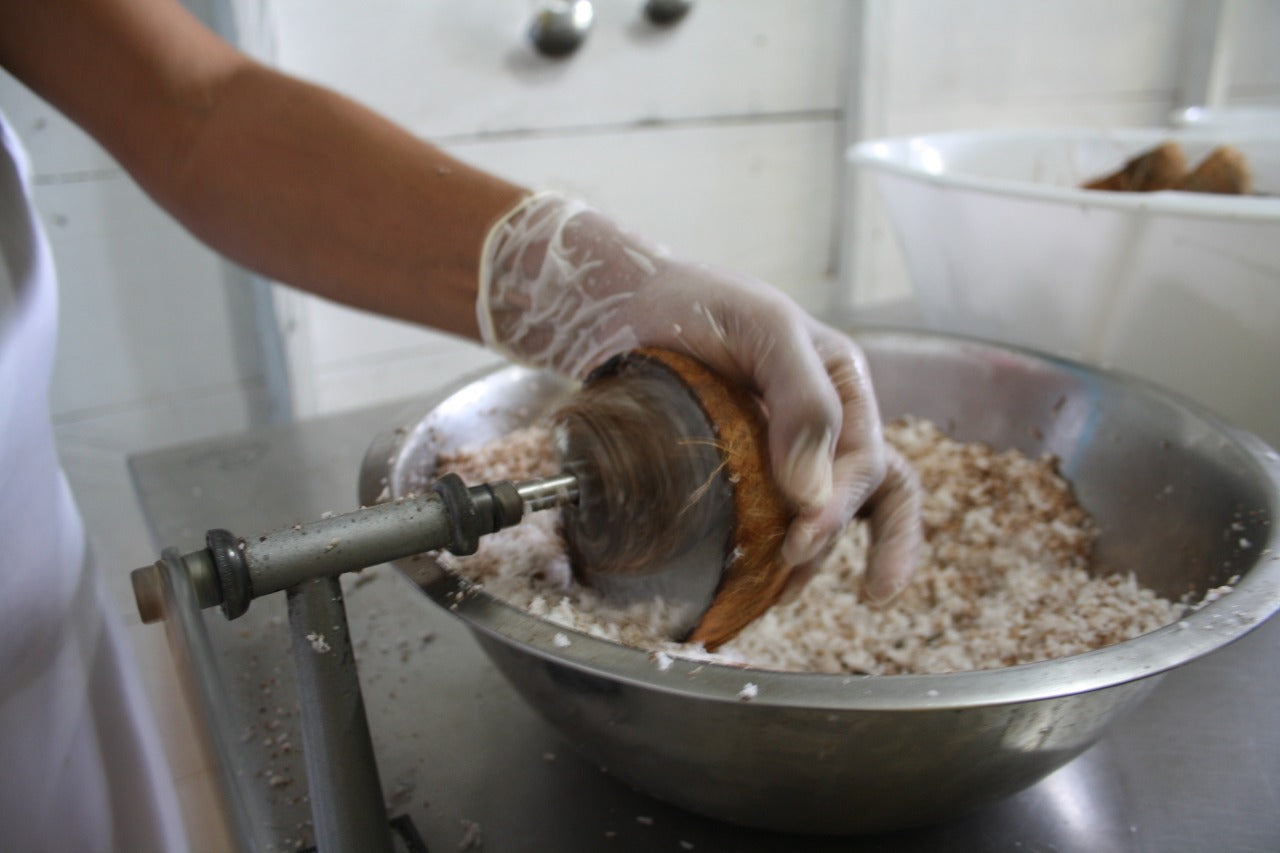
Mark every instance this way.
x=721 y=136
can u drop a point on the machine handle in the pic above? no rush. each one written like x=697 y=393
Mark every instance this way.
x=231 y=571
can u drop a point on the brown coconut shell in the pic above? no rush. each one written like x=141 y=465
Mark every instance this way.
x=754 y=574
x=1224 y=171
x=1160 y=168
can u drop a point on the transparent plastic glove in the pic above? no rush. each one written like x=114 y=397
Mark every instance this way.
x=563 y=287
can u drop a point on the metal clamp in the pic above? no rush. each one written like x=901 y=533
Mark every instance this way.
x=227 y=551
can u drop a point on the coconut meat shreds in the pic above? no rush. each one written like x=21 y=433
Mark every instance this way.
x=1004 y=578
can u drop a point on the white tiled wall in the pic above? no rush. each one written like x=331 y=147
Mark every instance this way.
x=160 y=340
x=1252 y=52
x=451 y=70
x=157 y=338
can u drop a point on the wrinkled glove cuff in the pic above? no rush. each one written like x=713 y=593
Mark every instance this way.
x=555 y=280
x=498 y=250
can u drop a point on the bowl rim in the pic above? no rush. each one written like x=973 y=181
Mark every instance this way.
x=893 y=155
x=1230 y=118
x=1254 y=598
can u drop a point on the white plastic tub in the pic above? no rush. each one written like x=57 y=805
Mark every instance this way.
x=1182 y=289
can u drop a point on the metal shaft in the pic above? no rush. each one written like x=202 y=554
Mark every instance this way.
x=346 y=543
x=548 y=492
x=232 y=571
x=451 y=517
x=346 y=793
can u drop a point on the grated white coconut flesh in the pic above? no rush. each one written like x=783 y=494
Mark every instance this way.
x=1005 y=577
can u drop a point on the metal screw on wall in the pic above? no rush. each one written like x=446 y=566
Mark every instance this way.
x=561 y=26
x=665 y=12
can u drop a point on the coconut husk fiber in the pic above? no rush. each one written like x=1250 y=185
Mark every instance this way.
x=647 y=462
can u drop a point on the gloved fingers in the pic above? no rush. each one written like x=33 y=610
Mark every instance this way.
x=825 y=441
x=897 y=533
x=855 y=477
x=563 y=287
x=860 y=460
x=806 y=424
x=857 y=457
x=754 y=334
x=796 y=581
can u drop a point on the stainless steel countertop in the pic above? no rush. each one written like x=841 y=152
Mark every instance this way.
x=1196 y=767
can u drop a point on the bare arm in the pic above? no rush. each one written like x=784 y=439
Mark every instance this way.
x=287 y=178
x=313 y=190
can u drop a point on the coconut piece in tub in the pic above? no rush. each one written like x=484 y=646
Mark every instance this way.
x=1164 y=167
x=678 y=478
x=1159 y=168
x=1224 y=172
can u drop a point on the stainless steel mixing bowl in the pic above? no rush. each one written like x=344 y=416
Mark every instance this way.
x=1184 y=501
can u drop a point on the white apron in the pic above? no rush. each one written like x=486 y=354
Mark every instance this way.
x=80 y=763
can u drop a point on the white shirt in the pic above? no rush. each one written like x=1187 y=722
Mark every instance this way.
x=80 y=763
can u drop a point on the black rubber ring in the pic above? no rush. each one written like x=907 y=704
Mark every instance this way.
x=464 y=517
x=233 y=572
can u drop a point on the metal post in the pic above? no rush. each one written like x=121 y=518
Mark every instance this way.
x=342 y=774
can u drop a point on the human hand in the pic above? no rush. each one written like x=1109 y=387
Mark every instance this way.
x=563 y=287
